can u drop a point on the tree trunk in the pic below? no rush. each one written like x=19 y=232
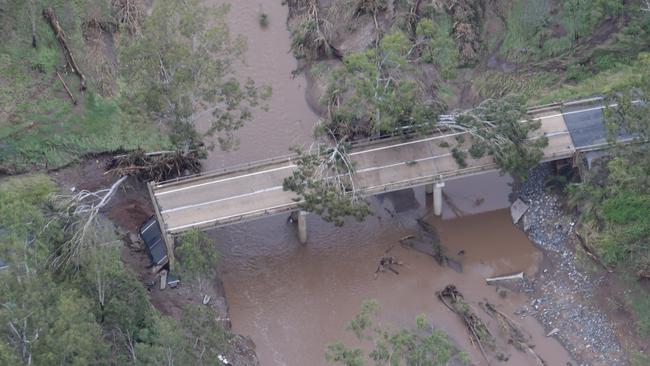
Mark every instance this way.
x=48 y=14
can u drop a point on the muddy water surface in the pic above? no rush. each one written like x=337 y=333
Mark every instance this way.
x=293 y=299
x=269 y=61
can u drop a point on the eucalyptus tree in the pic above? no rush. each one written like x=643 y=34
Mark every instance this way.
x=181 y=68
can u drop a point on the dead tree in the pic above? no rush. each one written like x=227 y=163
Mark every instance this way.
x=129 y=13
x=48 y=14
x=79 y=215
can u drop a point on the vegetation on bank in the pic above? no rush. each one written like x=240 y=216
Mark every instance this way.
x=39 y=126
x=614 y=199
x=150 y=79
x=422 y=345
x=94 y=311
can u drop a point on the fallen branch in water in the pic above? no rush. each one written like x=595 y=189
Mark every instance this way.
x=518 y=338
x=518 y=276
x=479 y=333
x=48 y=14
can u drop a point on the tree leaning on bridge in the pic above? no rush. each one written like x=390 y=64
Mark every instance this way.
x=325 y=184
x=502 y=128
x=325 y=179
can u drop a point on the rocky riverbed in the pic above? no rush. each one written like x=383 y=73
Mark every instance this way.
x=562 y=294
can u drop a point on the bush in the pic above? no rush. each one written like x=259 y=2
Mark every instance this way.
x=264 y=20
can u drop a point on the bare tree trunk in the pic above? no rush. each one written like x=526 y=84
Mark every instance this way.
x=48 y=14
x=32 y=19
x=65 y=86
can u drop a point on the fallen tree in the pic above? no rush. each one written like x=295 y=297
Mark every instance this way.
x=479 y=333
x=78 y=214
x=325 y=183
x=517 y=336
x=48 y=14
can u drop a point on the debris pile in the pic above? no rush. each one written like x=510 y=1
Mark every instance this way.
x=157 y=166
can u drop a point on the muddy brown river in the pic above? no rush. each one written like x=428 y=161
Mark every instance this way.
x=294 y=299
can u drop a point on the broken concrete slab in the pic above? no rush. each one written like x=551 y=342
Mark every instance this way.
x=517 y=210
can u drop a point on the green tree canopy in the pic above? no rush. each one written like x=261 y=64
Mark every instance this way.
x=197 y=256
x=422 y=345
x=181 y=68
x=377 y=91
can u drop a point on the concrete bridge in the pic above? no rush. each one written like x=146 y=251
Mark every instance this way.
x=254 y=190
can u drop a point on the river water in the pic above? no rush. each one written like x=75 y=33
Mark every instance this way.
x=294 y=299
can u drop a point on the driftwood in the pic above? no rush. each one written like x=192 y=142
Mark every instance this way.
x=479 y=333
x=387 y=262
x=158 y=167
x=518 y=276
x=517 y=337
x=65 y=86
x=48 y=14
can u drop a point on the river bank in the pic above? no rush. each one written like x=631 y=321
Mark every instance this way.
x=128 y=210
x=562 y=296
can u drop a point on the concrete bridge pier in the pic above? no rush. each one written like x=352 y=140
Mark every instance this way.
x=437 y=198
x=302 y=226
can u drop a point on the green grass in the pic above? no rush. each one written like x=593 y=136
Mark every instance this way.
x=641 y=308
x=524 y=19
x=604 y=82
x=39 y=126
x=494 y=84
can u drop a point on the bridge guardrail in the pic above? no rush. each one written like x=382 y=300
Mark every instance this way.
x=230 y=169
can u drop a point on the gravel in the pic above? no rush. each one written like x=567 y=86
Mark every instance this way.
x=560 y=295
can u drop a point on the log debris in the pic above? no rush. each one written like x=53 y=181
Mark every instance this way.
x=65 y=86
x=517 y=337
x=157 y=168
x=50 y=17
x=518 y=276
x=387 y=262
x=478 y=331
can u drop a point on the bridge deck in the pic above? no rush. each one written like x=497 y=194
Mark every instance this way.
x=245 y=193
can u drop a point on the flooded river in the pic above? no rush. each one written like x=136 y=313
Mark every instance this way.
x=294 y=299
x=269 y=61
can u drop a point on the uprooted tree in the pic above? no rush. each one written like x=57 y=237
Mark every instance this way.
x=180 y=70
x=324 y=182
